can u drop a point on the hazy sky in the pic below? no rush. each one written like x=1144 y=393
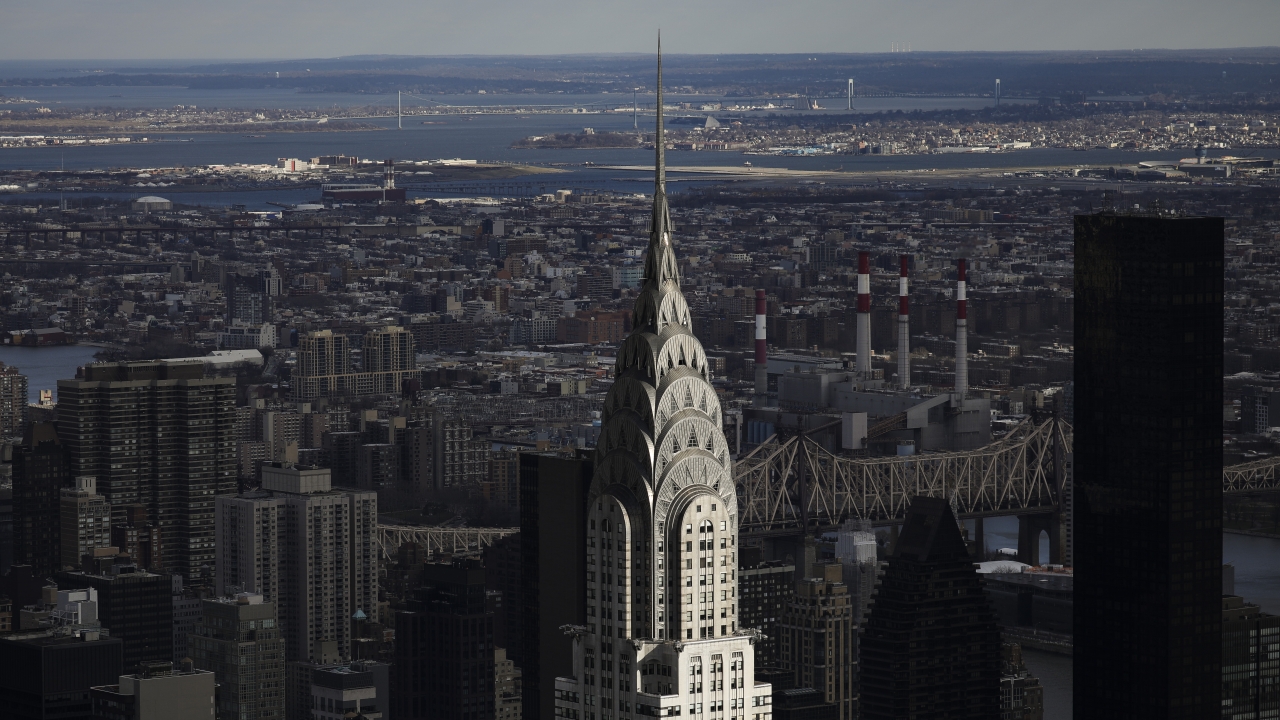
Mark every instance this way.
x=137 y=29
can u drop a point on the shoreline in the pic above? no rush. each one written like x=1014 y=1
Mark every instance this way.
x=1253 y=533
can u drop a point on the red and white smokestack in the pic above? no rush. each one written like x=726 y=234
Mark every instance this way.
x=962 y=332
x=904 y=333
x=762 y=357
x=864 y=315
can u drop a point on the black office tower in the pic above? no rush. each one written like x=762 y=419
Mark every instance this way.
x=1148 y=467
x=553 y=545
x=47 y=676
x=39 y=474
x=444 y=668
x=136 y=607
x=930 y=647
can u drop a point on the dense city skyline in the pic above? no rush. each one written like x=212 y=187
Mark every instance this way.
x=779 y=408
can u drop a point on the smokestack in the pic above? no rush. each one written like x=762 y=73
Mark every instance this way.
x=962 y=332
x=762 y=358
x=904 y=332
x=863 y=348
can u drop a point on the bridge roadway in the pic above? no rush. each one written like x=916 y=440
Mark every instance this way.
x=786 y=485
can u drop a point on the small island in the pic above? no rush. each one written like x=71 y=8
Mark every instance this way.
x=588 y=139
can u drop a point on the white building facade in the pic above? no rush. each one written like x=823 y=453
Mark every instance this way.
x=662 y=637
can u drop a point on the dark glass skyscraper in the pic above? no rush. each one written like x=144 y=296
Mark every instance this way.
x=1148 y=466
x=553 y=524
x=930 y=647
x=39 y=474
x=444 y=648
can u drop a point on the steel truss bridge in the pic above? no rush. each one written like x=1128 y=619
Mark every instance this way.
x=437 y=540
x=786 y=484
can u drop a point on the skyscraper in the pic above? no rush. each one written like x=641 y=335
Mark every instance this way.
x=307 y=547
x=86 y=521
x=1148 y=466
x=48 y=675
x=661 y=634
x=444 y=648
x=930 y=646
x=819 y=639
x=1250 y=672
x=13 y=401
x=135 y=606
x=325 y=369
x=765 y=588
x=39 y=474
x=160 y=434
x=553 y=553
x=1021 y=695
x=239 y=640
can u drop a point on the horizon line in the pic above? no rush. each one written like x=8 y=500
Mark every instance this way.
x=639 y=54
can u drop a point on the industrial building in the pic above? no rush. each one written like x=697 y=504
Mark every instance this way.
x=876 y=416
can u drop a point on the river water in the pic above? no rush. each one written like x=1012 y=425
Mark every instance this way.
x=471 y=136
x=488 y=138
x=1257 y=564
x=45 y=366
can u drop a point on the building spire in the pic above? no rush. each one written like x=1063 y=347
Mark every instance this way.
x=659 y=138
x=660 y=264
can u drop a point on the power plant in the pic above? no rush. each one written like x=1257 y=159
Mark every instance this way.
x=847 y=404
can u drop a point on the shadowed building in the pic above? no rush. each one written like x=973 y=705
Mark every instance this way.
x=444 y=648
x=136 y=607
x=161 y=434
x=49 y=676
x=819 y=639
x=553 y=509
x=238 y=639
x=930 y=647
x=765 y=588
x=39 y=474
x=1148 y=466
x=1250 y=669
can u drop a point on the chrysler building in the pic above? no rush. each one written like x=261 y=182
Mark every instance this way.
x=662 y=637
